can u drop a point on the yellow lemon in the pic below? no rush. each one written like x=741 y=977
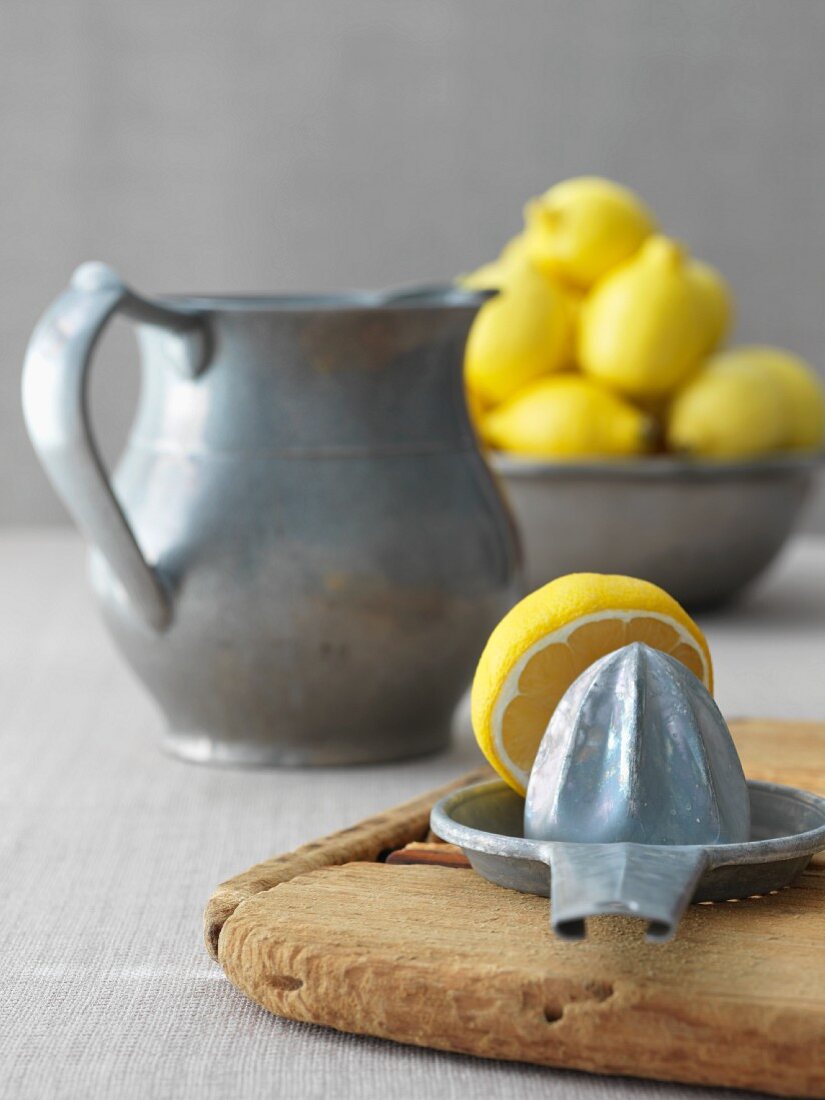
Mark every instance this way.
x=801 y=385
x=546 y=641
x=582 y=228
x=523 y=333
x=499 y=272
x=567 y=416
x=734 y=408
x=718 y=300
x=490 y=276
x=645 y=328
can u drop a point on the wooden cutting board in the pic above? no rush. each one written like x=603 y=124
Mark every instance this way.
x=335 y=933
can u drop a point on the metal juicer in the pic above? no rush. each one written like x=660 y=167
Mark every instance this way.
x=636 y=806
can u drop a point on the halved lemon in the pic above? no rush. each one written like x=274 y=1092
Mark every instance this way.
x=542 y=645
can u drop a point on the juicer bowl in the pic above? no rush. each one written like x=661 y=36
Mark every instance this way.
x=651 y=882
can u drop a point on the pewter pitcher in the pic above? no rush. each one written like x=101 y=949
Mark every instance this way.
x=301 y=551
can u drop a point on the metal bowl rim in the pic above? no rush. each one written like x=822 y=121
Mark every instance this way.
x=655 y=467
x=444 y=825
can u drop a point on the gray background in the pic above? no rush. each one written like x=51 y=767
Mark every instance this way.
x=304 y=144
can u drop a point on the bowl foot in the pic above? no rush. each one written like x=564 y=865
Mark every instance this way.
x=201 y=748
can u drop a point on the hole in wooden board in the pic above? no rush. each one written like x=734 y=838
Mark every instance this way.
x=599 y=991
x=285 y=982
x=593 y=991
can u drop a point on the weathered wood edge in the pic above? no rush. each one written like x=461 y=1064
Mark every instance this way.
x=365 y=841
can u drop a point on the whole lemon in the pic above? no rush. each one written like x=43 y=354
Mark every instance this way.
x=498 y=273
x=803 y=390
x=734 y=408
x=718 y=300
x=646 y=327
x=582 y=228
x=523 y=333
x=567 y=416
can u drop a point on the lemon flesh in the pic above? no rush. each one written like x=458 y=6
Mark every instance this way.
x=567 y=416
x=525 y=332
x=582 y=228
x=646 y=327
x=548 y=639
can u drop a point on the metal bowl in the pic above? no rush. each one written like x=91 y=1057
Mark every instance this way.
x=701 y=530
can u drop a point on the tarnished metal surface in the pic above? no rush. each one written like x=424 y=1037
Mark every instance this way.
x=787 y=828
x=701 y=530
x=633 y=880
x=635 y=785
x=637 y=751
x=302 y=552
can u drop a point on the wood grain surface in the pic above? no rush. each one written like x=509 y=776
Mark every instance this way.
x=436 y=956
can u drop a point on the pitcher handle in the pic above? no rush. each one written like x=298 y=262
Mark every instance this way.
x=55 y=406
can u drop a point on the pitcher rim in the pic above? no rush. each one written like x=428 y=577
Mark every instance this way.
x=412 y=298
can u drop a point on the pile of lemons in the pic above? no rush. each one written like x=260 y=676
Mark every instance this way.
x=603 y=341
